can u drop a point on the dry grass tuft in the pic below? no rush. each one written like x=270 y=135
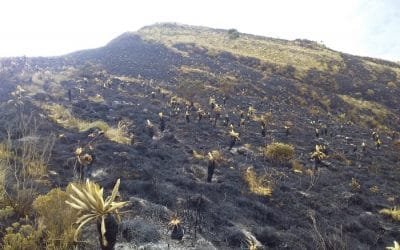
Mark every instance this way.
x=355 y=185
x=35 y=168
x=198 y=156
x=366 y=113
x=4 y=152
x=96 y=99
x=259 y=185
x=297 y=167
x=63 y=117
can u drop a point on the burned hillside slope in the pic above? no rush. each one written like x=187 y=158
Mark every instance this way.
x=152 y=105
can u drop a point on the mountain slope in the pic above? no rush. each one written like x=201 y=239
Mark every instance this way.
x=166 y=68
x=173 y=51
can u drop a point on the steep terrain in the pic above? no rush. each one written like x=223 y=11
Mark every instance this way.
x=299 y=86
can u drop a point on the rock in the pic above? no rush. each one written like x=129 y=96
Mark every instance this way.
x=146 y=208
x=139 y=231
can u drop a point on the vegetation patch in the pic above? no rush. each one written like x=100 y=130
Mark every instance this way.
x=279 y=152
x=96 y=99
x=22 y=237
x=63 y=117
x=259 y=185
x=4 y=152
x=56 y=218
x=275 y=51
x=376 y=68
x=378 y=111
x=185 y=69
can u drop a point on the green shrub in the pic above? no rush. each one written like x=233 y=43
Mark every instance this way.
x=55 y=225
x=279 y=152
x=56 y=219
x=22 y=238
x=6 y=213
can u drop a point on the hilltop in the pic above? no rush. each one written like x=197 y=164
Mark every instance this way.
x=105 y=98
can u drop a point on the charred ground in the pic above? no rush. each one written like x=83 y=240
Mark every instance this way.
x=296 y=83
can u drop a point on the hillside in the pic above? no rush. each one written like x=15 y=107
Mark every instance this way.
x=101 y=99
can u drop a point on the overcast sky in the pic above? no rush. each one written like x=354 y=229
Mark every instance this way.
x=56 y=27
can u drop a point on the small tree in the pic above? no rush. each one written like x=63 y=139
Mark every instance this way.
x=84 y=158
x=177 y=228
x=214 y=159
x=162 y=121
x=318 y=155
x=200 y=114
x=234 y=138
x=217 y=112
x=250 y=112
x=150 y=128
x=211 y=102
x=187 y=116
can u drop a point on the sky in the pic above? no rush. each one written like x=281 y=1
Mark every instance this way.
x=56 y=27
